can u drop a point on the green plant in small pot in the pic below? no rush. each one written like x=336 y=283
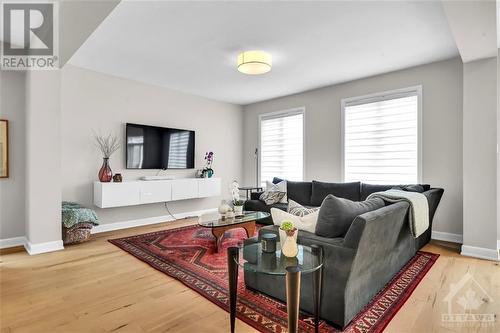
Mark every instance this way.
x=238 y=207
x=288 y=238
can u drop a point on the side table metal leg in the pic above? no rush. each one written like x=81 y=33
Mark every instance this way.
x=317 y=287
x=232 y=268
x=293 y=298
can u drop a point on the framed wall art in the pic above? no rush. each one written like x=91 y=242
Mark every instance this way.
x=4 y=148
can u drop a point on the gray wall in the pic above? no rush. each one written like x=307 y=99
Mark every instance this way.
x=498 y=145
x=12 y=189
x=442 y=130
x=43 y=157
x=94 y=101
x=480 y=153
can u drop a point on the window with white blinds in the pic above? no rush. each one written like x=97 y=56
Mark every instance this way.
x=282 y=145
x=178 y=147
x=382 y=138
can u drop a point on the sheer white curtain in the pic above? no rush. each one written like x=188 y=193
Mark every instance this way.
x=282 y=145
x=381 y=138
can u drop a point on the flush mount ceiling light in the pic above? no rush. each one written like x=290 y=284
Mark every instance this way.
x=254 y=62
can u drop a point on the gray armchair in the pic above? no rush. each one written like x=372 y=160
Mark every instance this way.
x=377 y=245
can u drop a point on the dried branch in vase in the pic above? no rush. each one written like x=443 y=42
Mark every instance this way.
x=107 y=144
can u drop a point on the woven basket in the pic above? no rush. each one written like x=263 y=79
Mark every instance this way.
x=76 y=234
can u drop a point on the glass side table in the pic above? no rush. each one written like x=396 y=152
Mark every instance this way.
x=251 y=258
x=249 y=189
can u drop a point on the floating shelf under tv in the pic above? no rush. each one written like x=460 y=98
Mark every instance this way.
x=140 y=192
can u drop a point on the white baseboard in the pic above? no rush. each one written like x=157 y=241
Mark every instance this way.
x=447 y=237
x=147 y=221
x=11 y=242
x=480 y=252
x=37 y=248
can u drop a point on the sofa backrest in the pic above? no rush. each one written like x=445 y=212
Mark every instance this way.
x=297 y=191
x=313 y=193
x=378 y=230
x=383 y=244
x=342 y=190
x=367 y=189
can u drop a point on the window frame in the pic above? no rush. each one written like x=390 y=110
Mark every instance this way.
x=279 y=114
x=378 y=97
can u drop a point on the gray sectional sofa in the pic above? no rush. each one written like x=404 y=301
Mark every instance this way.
x=376 y=246
x=311 y=194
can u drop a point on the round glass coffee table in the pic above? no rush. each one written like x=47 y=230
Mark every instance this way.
x=218 y=225
x=251 y=258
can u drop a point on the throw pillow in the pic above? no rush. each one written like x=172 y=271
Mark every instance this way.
x=271 y=188
x=295 y=208
x=306 y=223
x=337 y=214
x=271 y=198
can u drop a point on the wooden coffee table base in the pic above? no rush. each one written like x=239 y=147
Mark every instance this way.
x=219 y=231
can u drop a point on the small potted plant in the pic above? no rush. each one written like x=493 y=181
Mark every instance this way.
x=288 y=239
x=237 y=202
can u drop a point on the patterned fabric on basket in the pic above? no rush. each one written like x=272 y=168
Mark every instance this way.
x=77 y=233
x=295 y=208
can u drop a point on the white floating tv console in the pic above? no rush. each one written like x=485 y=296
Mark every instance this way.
x=139 y=192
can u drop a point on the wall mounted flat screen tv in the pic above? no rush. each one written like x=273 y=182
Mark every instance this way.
x=151 y=147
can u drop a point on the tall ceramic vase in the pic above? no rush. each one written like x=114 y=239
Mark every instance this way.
x=105 y=174
x=288 y=240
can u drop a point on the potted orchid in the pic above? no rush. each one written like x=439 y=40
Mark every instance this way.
x=288 y=239
x=237 y=202
x=208 y=172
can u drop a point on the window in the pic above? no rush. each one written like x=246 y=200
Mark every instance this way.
x=381 y=137
x=135 y=147
x=282 y=145
x=177 y=150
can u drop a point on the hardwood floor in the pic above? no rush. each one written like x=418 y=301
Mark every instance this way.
x=96 y=287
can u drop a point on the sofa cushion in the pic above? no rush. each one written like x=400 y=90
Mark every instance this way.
x=367 y=189
x=272 y=197
x=307 y=223
x=260 y=206
x=275 y=193
x=413 y=188
x=342 y=190
x=298 y=191
x=277 y=187
x=255 y=195
x=298 y=210
x=336 y=214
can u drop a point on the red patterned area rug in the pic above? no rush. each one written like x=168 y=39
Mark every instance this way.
x=187 y=254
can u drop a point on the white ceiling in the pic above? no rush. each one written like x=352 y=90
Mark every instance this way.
x=192 y=46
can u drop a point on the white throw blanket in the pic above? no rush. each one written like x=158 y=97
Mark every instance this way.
x=419 y=208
